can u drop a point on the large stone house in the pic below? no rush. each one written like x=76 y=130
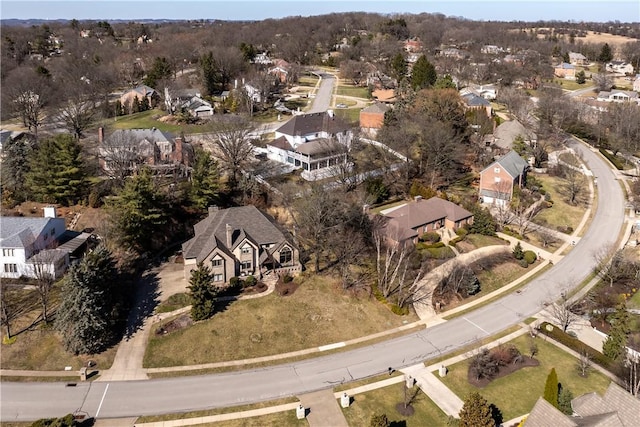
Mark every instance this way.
x=123 y=151
x=408 y=222
x=240 y=241
x=315 y=143
x=616 y=408
x=498 y=179
x=30 y=246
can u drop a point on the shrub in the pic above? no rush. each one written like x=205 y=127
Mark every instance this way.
x=436 y=245
x=400 y=311
x=505 y=354
x=234 y=283
x=518 y=253
x=287 y=278
x=474 y=286
x=483 y=365
x=250 y=281
x=430 y=237
x=461 y=232
x=530 y=257
x=455 y=240
x=576 y=345
x=523 y=263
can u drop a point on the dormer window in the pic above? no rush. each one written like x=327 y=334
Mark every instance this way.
x=286 y=256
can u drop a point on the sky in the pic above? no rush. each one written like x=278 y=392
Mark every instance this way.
x=496 y=10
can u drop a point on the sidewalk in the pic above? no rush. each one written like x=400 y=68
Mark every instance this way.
x=323 y=409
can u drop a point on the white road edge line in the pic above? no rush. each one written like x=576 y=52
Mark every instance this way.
x=476 y=326
x=102 y=400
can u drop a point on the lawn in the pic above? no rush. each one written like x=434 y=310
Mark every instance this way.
x=356 y=91
x=571 y=84
x=38 y=347
x=475 y=241
x=346 y=101
x=308 y=80
x=350 y=115
x=287 y=418
x=561 y=214
x=384 y=400
x=634 y=301
x=149 y=119
x=318 y=313
x=516 y=393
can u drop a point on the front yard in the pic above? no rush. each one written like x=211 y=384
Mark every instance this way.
x=318 y=313
x=561 y=214
x=516 y=393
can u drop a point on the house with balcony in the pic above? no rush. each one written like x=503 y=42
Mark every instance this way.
x=240 y=241
x=317 y=143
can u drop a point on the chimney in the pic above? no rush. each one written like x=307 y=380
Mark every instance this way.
x=177 y=155
x=417 y=198
x=229 y=235
x=330 y=113
x=50 y=212
x=100 y=135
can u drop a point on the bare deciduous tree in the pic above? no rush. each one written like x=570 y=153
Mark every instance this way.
x=611 y=264
x=13 y=304
x=43 y=265
x=120 y=155
x=563 y=312
x=584 y=363
x=231 y=142
x=573 y=186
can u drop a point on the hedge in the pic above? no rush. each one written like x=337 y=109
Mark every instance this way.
x=576 y=345
x=613 y=159
x=530 y=257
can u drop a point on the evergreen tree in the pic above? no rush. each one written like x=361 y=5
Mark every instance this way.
x=581 y=77
x=564 y=401
x=476 y=412
x=398 y=67
x=423 y=74
x=210 y=72
x=201 y=293
x=92 y=304
x=483 y=222
x=565 y=57
x=614 y=345
x=56 y=172
x=119 y=111
x=605 y=53
x=518 y=253
x=160 y=70
x=204 y=180
x=445 y=82
x=551 y=388
x=138 y=212
x=135 y=105
x=15 y=167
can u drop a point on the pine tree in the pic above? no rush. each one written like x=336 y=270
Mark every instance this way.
x=605 y=53
x=614 y=345
x=15 y=167
x=92 y=304
x=518 y=253
x=551 y=388
x=204 y=180
x=56 y=172
x=581 y=77
x=564 y=401
x=399 y=67
x=202 y=293
x=423 y=74
x=138 y=212
x=476 y=412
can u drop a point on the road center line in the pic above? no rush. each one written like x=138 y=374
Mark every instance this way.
x=476 y=326
x=102 y=400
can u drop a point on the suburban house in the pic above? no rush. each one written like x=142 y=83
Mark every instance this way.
x=7 y=136
x=31 y=246
x=386 y=96
x=372 y=117
x=578 y=59
x=453 y=52
x=471 y=101
x=198 y=107
x=314 y=142
x=616 y=408
x=408 y=222
x=491 y=49
x=141 y=92
x=262 y=58
x=636 y=83
x=498 y=179
x=124 y=150
x=240 y=241
x=619 y=67
x=281 y=69
x=413 y=45
x=616 y=95
x=565 y=71
x=489 y=92
x=506 y=133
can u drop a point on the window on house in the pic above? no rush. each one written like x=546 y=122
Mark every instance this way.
x=10 y=268
x=218 y=278
x=7 y=252
x=216 y=262
x=286 y=256
x=496 y=170
x=245 y=265
x=497 y=179
x=246 y=250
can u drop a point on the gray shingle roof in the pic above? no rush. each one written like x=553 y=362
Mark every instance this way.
x=245 y=221
x=544 y=414
x=376 y=108
x=138 y=135
x=306 y=124
x=320 y=146
x=512 y=163
x=18 y=232
x=473 y=100
x=427 y=211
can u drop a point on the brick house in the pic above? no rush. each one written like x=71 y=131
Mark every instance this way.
x=372 y=117
x=565 y=71
x=240 y=241
x=498 y=179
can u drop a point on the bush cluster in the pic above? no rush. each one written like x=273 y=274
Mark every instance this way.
x=430 y=237
x=530 y=257
x=576 y=345
x=486 y=363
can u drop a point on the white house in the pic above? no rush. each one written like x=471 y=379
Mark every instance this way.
x=198 y=107
x=617 y=95
x=29 y=245
x=619 y=67
x=314 y=142
x=636 y=83
x=577 y=59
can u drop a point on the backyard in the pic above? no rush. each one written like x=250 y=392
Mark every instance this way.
x=318 y=313
x=516 y=393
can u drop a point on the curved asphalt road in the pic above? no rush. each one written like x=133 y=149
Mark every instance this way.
x=28 y=401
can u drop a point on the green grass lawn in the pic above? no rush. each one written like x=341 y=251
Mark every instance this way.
x=561 y=214
x=634 y=301
x=384 y=400
x=318 y=313
x=308 y=80
x=480 y=240
x=357 y=91
x=346 y=101
x=516 y=393
x=174 y=302
x=149 y=119
x=350 y=115
x=570 y=84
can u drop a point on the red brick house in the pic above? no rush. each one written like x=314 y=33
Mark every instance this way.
x=498 y=179
x=372 y=117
